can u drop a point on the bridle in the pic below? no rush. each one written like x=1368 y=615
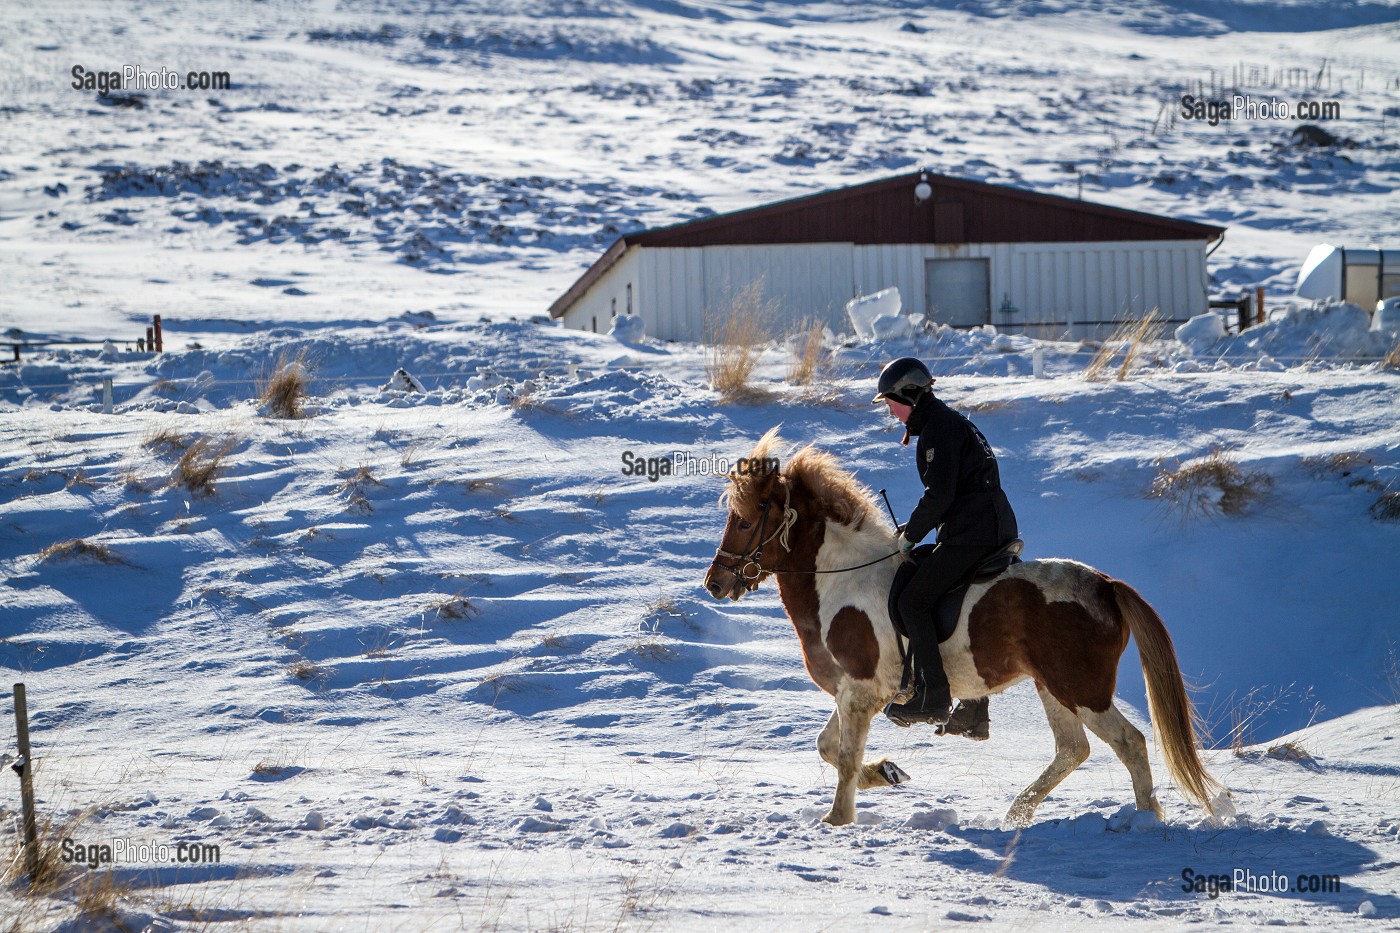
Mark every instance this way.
x=753 y=555
x=750 y=560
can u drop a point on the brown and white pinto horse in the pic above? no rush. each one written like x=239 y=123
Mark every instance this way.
x=1058 y=622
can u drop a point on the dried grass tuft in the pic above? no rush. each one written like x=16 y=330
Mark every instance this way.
x=1392 y=359
x=1343 y=464
x=734 y=341
x=201 y=463
x=165 y=438
x=354 y=484
x=455 y=607
x=283 y=394
x=1210 y=485
x=76 y=548
x=305 y=670
x=807 y=361
x=1130 y=338
x=1386 y=508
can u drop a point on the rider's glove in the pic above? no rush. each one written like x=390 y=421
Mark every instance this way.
x=905 y=545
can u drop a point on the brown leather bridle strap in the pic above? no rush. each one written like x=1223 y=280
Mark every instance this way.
x=753 y=555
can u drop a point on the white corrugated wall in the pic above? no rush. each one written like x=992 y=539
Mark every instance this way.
x=597 y=303
x=1075 y=289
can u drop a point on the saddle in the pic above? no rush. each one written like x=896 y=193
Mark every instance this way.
x=950 y=603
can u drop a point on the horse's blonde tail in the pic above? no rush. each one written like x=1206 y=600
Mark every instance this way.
x=1173 y=717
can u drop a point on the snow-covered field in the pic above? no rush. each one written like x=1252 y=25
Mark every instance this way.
x=433 y=661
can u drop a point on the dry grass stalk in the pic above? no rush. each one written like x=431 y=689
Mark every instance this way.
x=200 y=463
x=75 y=548
x=1386 y=508
x=807 y=362
x=53 y=872
x=99 y=895
x=165 y=438
x=1209 y=485
x=1392 y=359
x=1130 y=337
x=655 y=649
x=734 y=341
x=1344 y=463
x=354 y=485
x=305 y=670
x=283 y=394
x=456 y=607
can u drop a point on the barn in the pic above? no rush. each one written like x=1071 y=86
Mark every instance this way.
x=961 y=252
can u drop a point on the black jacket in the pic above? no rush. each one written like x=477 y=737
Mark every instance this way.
x=962 y=497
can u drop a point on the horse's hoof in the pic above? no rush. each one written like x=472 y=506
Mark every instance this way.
x=832 y=818
x=893 y=773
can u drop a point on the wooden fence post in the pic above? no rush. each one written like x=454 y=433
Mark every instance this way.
x=150 y=339
x=1259 y=305
x=25 y=767
x=160 y=340
x=106 y=395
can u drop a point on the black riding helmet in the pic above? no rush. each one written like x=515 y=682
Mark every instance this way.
x=903 y=380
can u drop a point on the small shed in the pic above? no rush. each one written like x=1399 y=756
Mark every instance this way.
x=961 y=252
x=1365 y=277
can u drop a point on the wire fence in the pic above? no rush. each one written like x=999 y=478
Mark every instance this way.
x=871 y=363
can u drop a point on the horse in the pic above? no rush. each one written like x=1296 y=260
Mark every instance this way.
x=1057 y=622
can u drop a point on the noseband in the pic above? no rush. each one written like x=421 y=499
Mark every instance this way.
x=748 y=566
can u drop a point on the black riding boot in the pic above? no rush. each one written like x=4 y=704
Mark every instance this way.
x=931 y=701
x=971 y=719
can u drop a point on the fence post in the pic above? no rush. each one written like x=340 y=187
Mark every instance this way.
x=160 y=340
x=1259 y=305
x=25 y=767
x=1038 y=362
x=106 y=395
x=150 y=339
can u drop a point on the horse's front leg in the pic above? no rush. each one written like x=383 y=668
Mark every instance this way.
x=855 y=709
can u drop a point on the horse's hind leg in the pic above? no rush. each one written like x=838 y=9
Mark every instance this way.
x=1071 y=748
x=1130 y=747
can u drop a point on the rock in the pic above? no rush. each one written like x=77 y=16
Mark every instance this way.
x=402 y=381
x=314 y=821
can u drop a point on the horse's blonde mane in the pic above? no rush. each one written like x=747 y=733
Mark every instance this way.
x=844 y=498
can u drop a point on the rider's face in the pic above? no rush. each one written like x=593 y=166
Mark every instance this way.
x=899 y=410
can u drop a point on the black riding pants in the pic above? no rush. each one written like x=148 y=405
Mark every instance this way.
x=939 y=572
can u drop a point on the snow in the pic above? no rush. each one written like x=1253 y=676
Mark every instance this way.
x=877 y=315
x=431 y=656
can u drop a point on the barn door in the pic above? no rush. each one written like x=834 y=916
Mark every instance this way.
x=958 y=291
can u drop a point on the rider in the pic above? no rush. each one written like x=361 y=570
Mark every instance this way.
x=963 y=499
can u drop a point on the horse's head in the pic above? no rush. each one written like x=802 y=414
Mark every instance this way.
x=759 y=500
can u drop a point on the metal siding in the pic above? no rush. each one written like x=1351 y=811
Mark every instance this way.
x=597 y=300
x=1070 y=282
x=1076 y=269
x=1166 y=290
x=1183 y=287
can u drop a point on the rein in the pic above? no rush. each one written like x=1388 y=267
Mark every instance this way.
x=752 y=558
